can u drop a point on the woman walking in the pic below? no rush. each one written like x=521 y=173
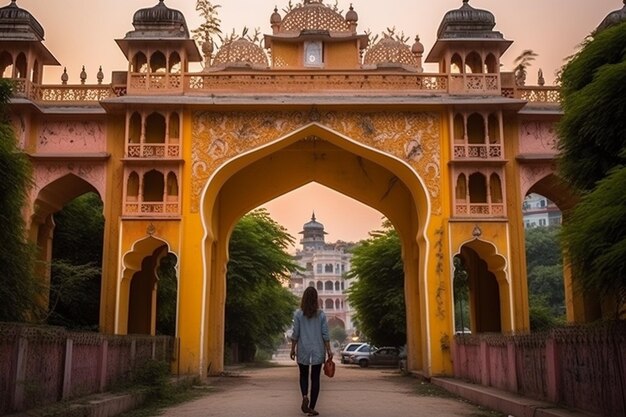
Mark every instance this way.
x=309 y=341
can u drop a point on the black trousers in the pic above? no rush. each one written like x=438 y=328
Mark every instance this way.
x=316 y=370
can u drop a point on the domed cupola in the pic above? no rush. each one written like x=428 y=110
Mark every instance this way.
x=238 y=53
x=468 y=22
x=313 y=235
x=159 y=44
x=390 y=52
x=467 y=44
x=19 y=24
x=316 y=36
x=159 y=20
x=612 y=19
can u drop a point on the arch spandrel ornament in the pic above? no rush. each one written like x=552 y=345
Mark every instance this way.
x=72 y=137
x=410 y=136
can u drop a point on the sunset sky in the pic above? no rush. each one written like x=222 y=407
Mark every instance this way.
x=82 y=32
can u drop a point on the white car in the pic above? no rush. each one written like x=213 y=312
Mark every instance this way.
x=349 y=349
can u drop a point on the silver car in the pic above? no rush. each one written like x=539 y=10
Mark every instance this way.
x=385 y=356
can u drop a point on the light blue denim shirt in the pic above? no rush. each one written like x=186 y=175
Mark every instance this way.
x=310 y=333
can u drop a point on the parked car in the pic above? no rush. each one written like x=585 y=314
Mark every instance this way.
x=348 y=349
x=384 y=356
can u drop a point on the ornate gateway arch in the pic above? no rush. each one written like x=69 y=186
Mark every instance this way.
x=179 y=156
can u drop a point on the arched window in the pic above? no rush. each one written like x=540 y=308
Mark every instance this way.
x=337 y=305
x=461 y=188
x=134 y=128
x=459 y=128
x=174 y=128
x=132 y=187
x=6 y=65
x=495 y=188
x=477 y=188
x=473 y=63
x=157 y=62
x=475 y=129
x=329 y=304
x=342 y=286
x=20 y=66
x=337 y=287
x=328 y=286
x=319 y=268
x=456 y=64
x=139 y=63
x=491 y=64
x=320 y=285
x=155 y=128
x=328 y=268
x=153 y=186
x=175 y=63
x=172 y=186
x=311 y=284
x=494 y=128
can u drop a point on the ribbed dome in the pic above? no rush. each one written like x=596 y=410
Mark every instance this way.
x=314 y=15
x=159 y=20
x=241 y=52
x=19 y=24
x=613 y=18
x=389 y=51
x=468 y=22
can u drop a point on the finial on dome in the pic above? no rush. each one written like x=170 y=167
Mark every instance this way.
x=352 y=16
x=313 y=216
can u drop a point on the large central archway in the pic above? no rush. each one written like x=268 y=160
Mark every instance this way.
x=315 y=153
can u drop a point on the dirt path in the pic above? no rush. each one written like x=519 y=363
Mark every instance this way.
x=353 y=392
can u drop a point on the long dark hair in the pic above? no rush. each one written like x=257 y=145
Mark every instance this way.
x=309 y=303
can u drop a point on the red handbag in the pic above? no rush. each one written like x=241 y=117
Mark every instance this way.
x=329 y=368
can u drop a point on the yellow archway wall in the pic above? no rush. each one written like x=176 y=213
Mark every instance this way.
x=315 y=153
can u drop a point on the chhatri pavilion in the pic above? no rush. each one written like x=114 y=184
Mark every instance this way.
x=177 y=158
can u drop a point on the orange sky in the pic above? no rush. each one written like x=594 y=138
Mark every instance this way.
x=82 y=32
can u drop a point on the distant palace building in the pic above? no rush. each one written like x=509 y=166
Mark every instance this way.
x=540 y=211
x=325 y=266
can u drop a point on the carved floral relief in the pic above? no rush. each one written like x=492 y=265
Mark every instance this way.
x=79 y=136
x=538 y=137
x=410 y=136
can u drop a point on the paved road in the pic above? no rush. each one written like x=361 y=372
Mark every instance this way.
x=353 y=392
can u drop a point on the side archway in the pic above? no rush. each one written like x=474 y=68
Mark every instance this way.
x=137 y=304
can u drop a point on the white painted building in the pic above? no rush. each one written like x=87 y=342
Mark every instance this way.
x=540 y=212
x=325 y=266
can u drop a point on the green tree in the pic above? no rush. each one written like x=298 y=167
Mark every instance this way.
x=166 y=296
x=593 y=159
x=76 y=264
x=19 y=289
x=377 y=294
x=259 y=306
x=545 y=277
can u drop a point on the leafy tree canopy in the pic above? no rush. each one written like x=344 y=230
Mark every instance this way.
x=593 y=158
x=18 y=285
x=593 y=126
x=377 y=294
x=259 y=307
